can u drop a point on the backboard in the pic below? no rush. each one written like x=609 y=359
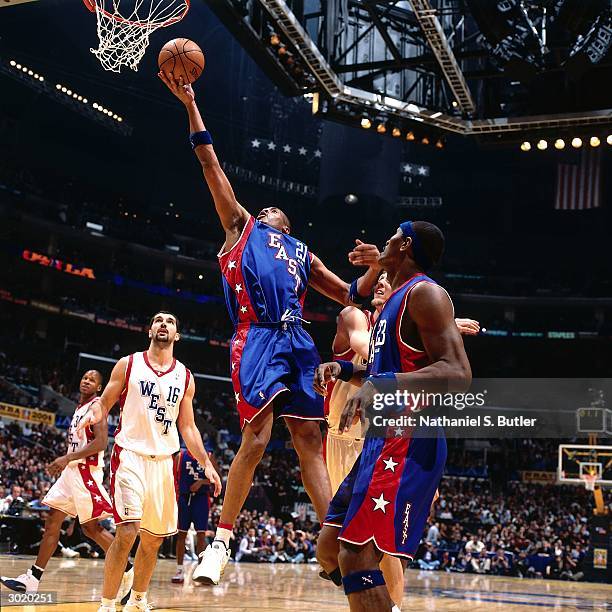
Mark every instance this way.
x=579 y=460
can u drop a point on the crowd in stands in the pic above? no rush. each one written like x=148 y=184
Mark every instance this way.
x=477 y=526
x=524 y=530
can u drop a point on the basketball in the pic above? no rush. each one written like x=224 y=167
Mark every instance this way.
x=183 y=58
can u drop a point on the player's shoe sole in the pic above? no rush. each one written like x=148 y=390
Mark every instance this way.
x=13 y=585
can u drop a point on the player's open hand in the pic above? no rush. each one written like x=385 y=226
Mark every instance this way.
x=356 y=407
x=183 y=91
x=364 y=254
x=325 y=372
x=467 y=327
x=56 y=467
x=92 y=416
x=211 y=474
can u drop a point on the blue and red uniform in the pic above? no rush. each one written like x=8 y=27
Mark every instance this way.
x=265 y=277
x=387 y=496
x=192 y=507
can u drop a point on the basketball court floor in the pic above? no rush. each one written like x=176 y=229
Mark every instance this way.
x=267 y=587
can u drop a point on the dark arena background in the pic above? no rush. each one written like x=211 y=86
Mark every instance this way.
x=492 y=120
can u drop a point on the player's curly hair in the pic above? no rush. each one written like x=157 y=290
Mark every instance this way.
x=431 y=239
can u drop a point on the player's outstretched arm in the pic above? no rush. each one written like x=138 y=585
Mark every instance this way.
x=101 y=406
x=193 y=439
x=323 y=280
x=232 y=215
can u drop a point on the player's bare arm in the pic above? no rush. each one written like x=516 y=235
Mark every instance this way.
x=233 y=216
x=353 y=329
x=191 y=435
x=432 y=311
x=97 y=444
x=330 y=371
x=323 y=280
x=101 y=406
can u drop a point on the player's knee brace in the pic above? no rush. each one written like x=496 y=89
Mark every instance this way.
x=362 y=581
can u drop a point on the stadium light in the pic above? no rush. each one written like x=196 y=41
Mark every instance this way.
x=542 y=144
x=381 y=128
x=576 y=142
x=559 y=144
x=12 y=63
x=594 y=141
x=366 y=124
x=425 y=140
x=396 y=132
x=439 y=143
x=526 y=146
x=410 y=136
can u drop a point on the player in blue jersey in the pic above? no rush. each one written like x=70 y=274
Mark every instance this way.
x=193 y=498
x=383 y=504
x=266 y=272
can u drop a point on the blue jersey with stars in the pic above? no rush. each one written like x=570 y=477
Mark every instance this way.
x=265 y=275
x=189 y=470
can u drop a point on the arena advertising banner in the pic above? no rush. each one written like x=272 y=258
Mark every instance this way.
x=30 y=415
x=538 y=476
x=63 y=266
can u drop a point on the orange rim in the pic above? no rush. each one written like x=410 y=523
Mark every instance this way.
x=91 y=5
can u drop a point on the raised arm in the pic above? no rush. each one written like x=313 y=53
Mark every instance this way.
x=191 y=435
x=232 y=215
x=332 y=286
x=99 y=408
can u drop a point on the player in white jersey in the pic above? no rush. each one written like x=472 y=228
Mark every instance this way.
x=351 y=343
x=155 y=393
x=77 y=492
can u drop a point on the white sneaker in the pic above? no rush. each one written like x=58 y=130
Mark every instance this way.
x=69 y=553
x=26 y=583
x=137 y=606
x=106 y=609
x=212 y=563
x=126 y=586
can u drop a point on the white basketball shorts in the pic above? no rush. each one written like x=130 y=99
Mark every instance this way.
x=79 y=492
x=143 y=489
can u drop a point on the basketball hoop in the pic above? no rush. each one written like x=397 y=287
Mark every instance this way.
x=589 y=481
x=124 y=27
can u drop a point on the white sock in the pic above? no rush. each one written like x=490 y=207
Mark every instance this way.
x=137 y=596
x=223 y=535
x=395 y=609
x=180 y=569
x=109 y=603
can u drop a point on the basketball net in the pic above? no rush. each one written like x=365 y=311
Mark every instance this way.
x=124 y=27
x=589 y=481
